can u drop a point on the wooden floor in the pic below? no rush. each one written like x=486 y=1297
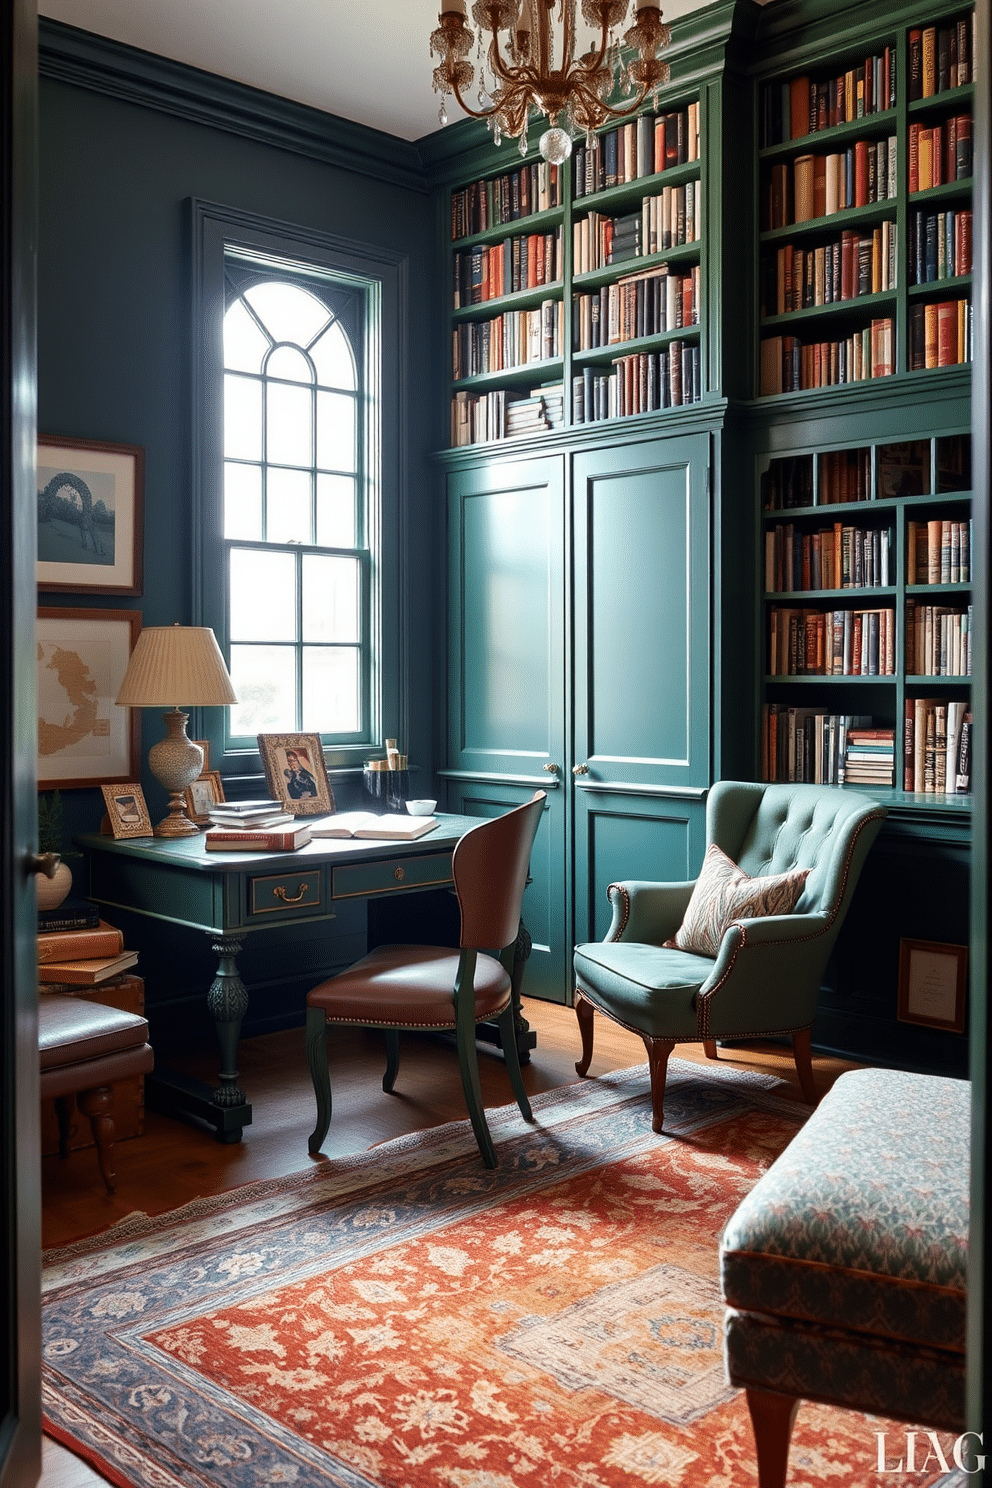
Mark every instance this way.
x=174 y=1162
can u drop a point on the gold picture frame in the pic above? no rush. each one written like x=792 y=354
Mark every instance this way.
x=205 y=791
x=933 y=984
x=205 y=746
x=295 y=774
x=126 y=810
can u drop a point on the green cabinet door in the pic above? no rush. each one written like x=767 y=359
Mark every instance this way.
x=506 y=690
x=641 y=666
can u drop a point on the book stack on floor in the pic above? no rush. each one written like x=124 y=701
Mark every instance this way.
x=254 y=826
x=80 y=955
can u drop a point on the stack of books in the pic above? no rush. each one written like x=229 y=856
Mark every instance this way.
x=540 y=410
x=869 y=757
x=80 y=956
x=254 y=826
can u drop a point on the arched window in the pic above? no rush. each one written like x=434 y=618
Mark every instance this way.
x=294 y=513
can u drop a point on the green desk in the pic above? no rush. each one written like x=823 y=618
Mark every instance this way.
x=234 y=896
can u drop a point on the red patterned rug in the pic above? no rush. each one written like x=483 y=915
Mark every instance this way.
x=407 y=1319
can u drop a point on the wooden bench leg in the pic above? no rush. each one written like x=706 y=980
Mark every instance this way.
x=772 y=1416
x=98 y=1105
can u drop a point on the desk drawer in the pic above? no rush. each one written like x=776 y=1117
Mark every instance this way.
x=392 y=875
x=282 y=893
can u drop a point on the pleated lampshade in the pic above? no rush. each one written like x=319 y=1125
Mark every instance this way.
x=173 y=666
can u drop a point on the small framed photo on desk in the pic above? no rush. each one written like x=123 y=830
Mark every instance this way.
x=933 y=981
x=205 y=791
x=126 y=810
x=295 y=773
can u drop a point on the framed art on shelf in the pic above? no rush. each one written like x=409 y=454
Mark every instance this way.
x=90 y=530
x=933 y=979
x=205 y=791
x=295 y=773
x=84 y=738
x=126 y=810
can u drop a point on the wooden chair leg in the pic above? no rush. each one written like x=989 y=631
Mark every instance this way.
x=65 y=1106
x=772 y=1416
x=392 y=1059
x=98 y=1105
x=658 y=1052
x=585 y=1013
x=511 y=1054
x=317 y=1060
x=709 y=1049
x=468 y=1055
x=801 y=1042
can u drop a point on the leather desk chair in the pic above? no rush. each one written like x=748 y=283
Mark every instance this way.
x=763 y=978
x=83 y=1047
x=436 y=988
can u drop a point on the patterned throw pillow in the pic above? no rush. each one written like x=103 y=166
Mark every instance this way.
x=725 y=893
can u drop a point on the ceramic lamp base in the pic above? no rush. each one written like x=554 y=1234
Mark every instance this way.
x=176 y=761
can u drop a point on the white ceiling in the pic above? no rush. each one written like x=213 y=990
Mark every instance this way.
x=368 y=60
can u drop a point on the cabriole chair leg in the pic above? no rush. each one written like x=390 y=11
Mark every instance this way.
x=317 y=1060
x=392 y=1059
x=659 y=1050
x=772 y=1417
x=585 y=1013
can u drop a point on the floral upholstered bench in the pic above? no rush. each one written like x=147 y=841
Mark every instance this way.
x=844 y=1268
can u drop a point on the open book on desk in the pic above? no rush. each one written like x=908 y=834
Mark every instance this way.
x=369 y=824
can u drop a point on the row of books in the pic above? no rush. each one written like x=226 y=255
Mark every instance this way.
x=819 y=748
x=937 y=750
x=668 y=219
x=81 y=955
x=804 y=105
x=500 y=414
x=514 y=339
x=815 y=186
x=484 y=204
x=791 y=365
x=837 y=557
x=939 y=153
x=845 y=476
x=648 y=304
x=941 y=57
x=644 y=146
x=941 y=334
x=850 y=265
x=938 y=551
x=831 y=643
x=525 y=262
x=939 y=245
x=641 y=383
x=938 y=640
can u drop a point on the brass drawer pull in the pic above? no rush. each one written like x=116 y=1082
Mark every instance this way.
x=280 y=893
x=399 y=875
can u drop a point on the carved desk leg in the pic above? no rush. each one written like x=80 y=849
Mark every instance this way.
x=227 y=1003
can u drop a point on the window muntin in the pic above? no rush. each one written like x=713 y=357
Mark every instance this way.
x=294 y=508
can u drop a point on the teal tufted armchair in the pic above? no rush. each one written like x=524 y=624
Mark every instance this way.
x=765 y=979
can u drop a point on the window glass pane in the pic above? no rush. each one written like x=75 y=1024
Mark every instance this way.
x=289 y=424
x=290 y=363
x=264 y=679
x=263 y=595
x=242 y=418
x=242 y=501
x=288 y=313
x=289 y=506
x=244 y=344
x=331 y=697
x=330 y=598
x=335 y=431
x=333 y=359
x=335 y=511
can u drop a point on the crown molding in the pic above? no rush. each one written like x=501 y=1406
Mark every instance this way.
x=85 y=60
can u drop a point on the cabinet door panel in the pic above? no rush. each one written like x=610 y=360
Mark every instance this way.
x=642 y=667
x=505 y=638
x=617 y=837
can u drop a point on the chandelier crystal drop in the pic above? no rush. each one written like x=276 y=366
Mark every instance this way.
x=535 y=64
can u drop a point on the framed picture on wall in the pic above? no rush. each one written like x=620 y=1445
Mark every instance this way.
x=933 y=980
x=90 y=529
x=295 y=773
x=84 y=738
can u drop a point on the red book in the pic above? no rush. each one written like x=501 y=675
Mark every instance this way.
x=799 y=107
x=947 y=333
x=861 y=173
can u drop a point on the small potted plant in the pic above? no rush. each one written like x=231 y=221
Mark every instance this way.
x=52 y=890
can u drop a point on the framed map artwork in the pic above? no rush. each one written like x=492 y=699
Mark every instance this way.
x=84 y=738
x=89 y=515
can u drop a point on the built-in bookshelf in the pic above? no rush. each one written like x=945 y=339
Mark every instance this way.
x=866 y=555
x=864 y=212
x=577 y=292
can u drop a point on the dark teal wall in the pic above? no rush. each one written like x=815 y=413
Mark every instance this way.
x=114 y=324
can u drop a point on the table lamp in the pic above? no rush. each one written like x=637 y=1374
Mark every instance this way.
x=173 y=664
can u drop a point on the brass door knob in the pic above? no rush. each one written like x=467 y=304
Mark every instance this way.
x=552 y=769
x=46 y=863
x=580 y=769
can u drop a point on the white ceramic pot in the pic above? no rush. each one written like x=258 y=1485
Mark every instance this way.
x=51 y=891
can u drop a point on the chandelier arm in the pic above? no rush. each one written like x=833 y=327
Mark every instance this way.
x=472 y=113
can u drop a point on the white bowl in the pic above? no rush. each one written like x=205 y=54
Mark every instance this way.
x=420 y=808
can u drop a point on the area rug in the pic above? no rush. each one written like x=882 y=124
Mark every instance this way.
x=408 y=1319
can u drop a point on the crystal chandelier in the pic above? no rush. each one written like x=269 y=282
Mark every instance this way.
x=535 y=69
